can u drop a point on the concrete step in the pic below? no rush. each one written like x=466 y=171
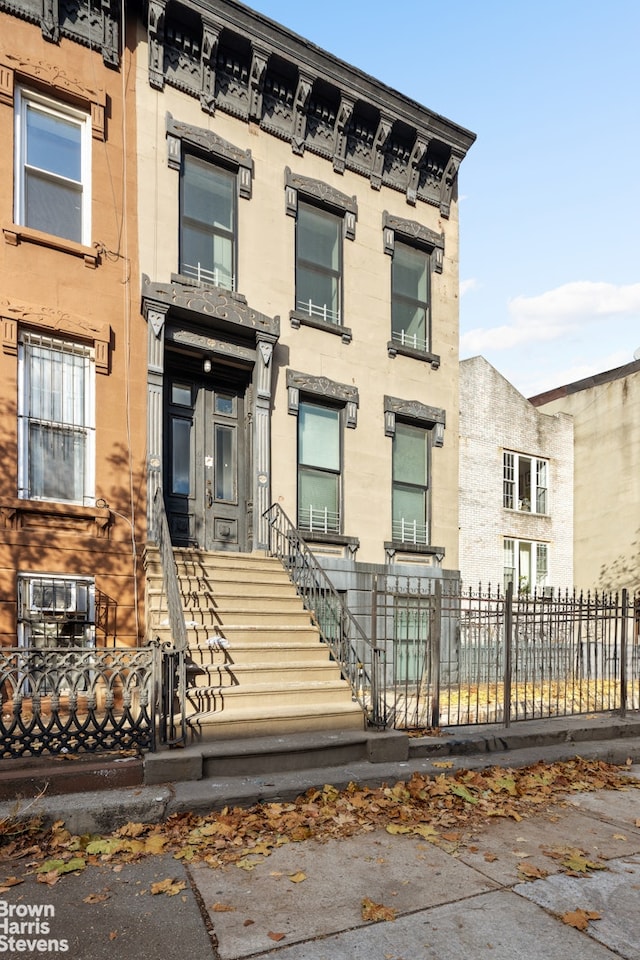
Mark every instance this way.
x=279 y=601
x=261 y=672
x=278 y=720
x=194 y=587
x=206 y=621
x=248 y=653
x=300 y=694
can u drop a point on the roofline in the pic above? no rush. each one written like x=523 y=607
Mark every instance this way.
x=618 y=373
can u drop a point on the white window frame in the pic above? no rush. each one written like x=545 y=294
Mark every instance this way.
x=24 y=417
x=538 y=483
x=538 y=564
x=409 y=531
x=25 y=98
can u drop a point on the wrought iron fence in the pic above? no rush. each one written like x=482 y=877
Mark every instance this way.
x=457 y=657
x=361 y=661
x=67 y=700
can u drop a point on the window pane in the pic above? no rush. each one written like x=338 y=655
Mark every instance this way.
x=318 y=294
x=181 y=394
x=409 y=272
x=409 y=324
x=410 y=454
x=53 y=206
x=225 y=463
x=207 y=256
x=524 y=483
x=208 y=193
x=318 y=500
x=319 y=437
x=56 y=462
x=53 y=143
x=181 y=455
x=408 y=504
x=318 y=237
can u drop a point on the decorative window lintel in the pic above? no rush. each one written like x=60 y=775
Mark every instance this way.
x=209 y=143
x=324 y=194
x=322 y=387
x=433 y=418
x=55 y=322
x=412 y=232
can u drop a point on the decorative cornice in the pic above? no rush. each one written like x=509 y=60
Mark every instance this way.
x=94 y=25
x=208 y=302
x=263 y=73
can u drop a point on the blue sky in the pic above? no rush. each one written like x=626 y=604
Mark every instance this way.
x=550 y=191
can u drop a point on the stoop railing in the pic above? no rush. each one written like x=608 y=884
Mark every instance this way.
x=362 y=662
x=171 y=689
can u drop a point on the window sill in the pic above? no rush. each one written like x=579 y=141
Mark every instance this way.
x=337 y=539
x=424 y=549
x=54 y=516
x=524 y=513
x=394 y=349
x=14 y=234
x=304 y=320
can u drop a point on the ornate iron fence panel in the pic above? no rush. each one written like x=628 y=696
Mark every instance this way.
x=70 y=700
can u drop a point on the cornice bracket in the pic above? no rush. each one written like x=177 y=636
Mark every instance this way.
x=210 y=37
x=341 y=133
x=300 y=107
x=259 y=61
x=155 y=36
x=378 y=152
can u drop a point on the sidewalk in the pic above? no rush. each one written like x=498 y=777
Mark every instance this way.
x=304 y=902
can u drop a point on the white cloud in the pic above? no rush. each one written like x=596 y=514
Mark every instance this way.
x=466 y=285
x=555 y=314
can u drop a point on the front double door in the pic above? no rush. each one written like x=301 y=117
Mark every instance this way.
x=206 y=463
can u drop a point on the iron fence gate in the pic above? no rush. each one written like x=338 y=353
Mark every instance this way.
x=457 y=657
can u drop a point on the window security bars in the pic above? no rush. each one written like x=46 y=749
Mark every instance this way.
x=362 y=662
x=319 y=312
x=458 y=657
x=55 y=420
x=410 y=340
x=213 y=278
x=319 y=520
x=409 y=531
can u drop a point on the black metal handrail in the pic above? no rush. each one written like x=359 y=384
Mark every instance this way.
x=171 y=697
x=362 y=662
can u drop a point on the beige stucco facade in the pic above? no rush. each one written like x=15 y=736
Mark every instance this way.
x=266 y=277
x=606 y=414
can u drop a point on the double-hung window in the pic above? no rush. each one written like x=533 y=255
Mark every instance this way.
x=410 y=484
x=208 y=222
x=319 y=468
x=53 y=167
x=319 y=263
x=526 y=564
x=524 y=483
x=56 y=420
x=410 y=297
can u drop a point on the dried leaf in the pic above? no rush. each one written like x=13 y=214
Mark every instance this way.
x=248 y=923
x=490 y=857
x=529 y=871
x=113 y=935
x=442 y=764
x=223 y=908
x=96 y=898
x=10 y=882
x=377 y=911
x=579 y=918
x=276 y=936
x=170 y=886
x=297 y=877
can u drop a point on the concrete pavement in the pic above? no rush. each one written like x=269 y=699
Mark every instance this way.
x=305 y=901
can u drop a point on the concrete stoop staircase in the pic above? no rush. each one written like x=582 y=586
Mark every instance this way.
x=257 y=665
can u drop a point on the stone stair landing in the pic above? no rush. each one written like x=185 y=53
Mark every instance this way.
x=257 y=665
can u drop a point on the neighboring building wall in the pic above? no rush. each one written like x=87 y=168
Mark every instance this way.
x=495 y=418
x=606 y=415
x=354 y=356
x=77 y=293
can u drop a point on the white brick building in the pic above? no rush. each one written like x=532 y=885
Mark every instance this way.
x=516 y=486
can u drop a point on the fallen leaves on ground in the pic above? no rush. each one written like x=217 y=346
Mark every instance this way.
x=579 y=918
x=377 y=911
x=276 y=936
x=444 y=809
x=528 y=871
x=170 y=886
x=575 y=861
